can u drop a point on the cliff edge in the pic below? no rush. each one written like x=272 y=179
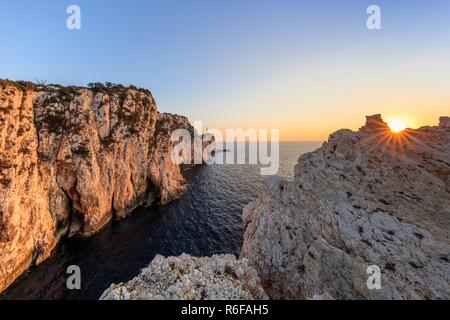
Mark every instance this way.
x=370 y=198
x=72 y=159
x=364 y=198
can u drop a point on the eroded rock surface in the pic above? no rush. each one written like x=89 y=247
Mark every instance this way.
x=72 y=159
x=221 y=277
x=364 y=198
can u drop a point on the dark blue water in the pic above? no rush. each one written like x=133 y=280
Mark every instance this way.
x=206 y=220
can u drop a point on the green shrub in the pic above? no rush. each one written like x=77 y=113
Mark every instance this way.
x=81 y=151
x=107 y=141
x=229 y=271
x=25 y=150
x=5 y=182
x=54 y=121
x=20 y=85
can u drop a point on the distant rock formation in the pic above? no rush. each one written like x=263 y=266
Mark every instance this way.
x=188 y=278
x=72 y=159
x=364 y=198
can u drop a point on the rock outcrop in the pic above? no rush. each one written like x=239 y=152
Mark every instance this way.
x=72 y=159
x=221 y=277
x=364 y=198
x=164 y=172
x=370 y=198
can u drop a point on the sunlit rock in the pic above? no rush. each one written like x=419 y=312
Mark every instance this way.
x=220 y=277
x=72 y=159
x=364 y=198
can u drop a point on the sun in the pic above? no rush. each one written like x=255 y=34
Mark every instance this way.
x=397 y=125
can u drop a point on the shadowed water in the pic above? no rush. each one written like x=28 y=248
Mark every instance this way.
x=206 y=220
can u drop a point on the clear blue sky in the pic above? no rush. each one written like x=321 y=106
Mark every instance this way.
x=299 y=65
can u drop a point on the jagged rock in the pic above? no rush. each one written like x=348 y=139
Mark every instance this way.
x=364 y=198
x=72 y=159
x=444 y=122
x=220 y=277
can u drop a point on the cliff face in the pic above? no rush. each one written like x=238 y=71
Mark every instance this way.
x=364 y=198
x=164 y=173
x=72 y=159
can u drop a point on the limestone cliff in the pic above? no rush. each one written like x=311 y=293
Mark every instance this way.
x=72 y=159
x=189 y=278
x=364 y=198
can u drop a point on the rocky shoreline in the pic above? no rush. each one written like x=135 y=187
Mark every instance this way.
x=364 y=198
x=189 y=278
x=74 y=158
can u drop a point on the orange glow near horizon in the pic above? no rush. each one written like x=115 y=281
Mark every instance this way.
x=318 y=128
x=397 y=125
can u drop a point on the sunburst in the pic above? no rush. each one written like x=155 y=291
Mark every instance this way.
x=396 y=141
x=397 y=125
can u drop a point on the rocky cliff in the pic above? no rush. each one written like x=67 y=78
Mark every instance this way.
x=364 y=198
x=72 y=159
x=190 y=278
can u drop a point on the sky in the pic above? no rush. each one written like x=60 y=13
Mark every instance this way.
x=307 y=68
